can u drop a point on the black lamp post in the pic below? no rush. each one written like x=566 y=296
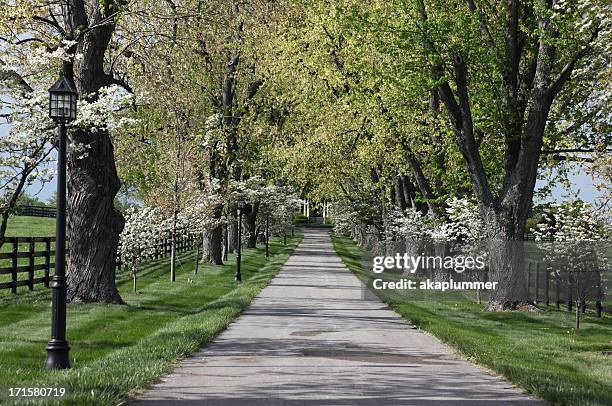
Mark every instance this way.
x=62 y=109
x=240 y=204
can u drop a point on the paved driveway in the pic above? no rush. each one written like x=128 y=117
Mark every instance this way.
x=312 y=337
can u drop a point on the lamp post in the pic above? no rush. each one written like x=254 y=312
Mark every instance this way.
x=241 y=204
x=62 y=109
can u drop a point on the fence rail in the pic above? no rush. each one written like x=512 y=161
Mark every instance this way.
x=36 y=248
x=35 y=256
x=35 y=211
x=544 y=287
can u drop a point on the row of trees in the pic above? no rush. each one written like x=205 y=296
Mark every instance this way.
x=380 y=105
x=408 y=104
x=167 y=103
x=145 y=227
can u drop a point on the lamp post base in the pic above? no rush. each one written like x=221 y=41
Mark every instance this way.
x=57 y=354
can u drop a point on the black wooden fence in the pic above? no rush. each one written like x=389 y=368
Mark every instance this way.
x=35 y=256
x=560 y=289
x=35 y=211
x=38 y=254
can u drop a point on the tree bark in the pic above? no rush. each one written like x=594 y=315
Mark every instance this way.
x=400 y=199
x=506 y=260
x=233 y=231
x=94 y=223
x=250 y=224
x=206 y=238
x=212 y=245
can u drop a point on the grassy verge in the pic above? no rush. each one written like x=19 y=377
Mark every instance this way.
x=26 y=226
x=117 y=349
x=539 y=352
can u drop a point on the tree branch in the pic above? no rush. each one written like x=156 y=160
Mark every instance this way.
x=567 y=70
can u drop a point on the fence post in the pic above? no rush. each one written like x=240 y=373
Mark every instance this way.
x=599 y=295
x=537 y=282
x=558 y=293
x=197 y=258
x=14 y=266
x=569 y=291
x=47 y=260
x=528 y=279
x=546 y=286
x=31 y=264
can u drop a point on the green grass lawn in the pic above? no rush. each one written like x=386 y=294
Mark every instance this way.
x=26 y=226
x=541 y=352
x=116 y=349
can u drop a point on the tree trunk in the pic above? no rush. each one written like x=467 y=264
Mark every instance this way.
x=93 y=222
x=250 y=224
x=206 y=237
x=233 y=232
x=578 y=305
x=400 y=199
x=216 y=245
x=506 y=260
x=440 y=249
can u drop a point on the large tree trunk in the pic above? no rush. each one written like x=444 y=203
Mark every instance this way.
x=212 y=245
x=206 y=237
x=216 y=245
x=506 y=260
x=94 y=223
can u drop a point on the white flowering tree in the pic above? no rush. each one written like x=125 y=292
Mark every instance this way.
x=410 y=224
x=142 y=231
x=463 y=223
x=277 y=202
x=25 y=150
x=345 y=220
x=460 y=229
x=38 y=40
x=575 y=240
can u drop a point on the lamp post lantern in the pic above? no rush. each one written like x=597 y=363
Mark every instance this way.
x=62 y=109
x=240 y=204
